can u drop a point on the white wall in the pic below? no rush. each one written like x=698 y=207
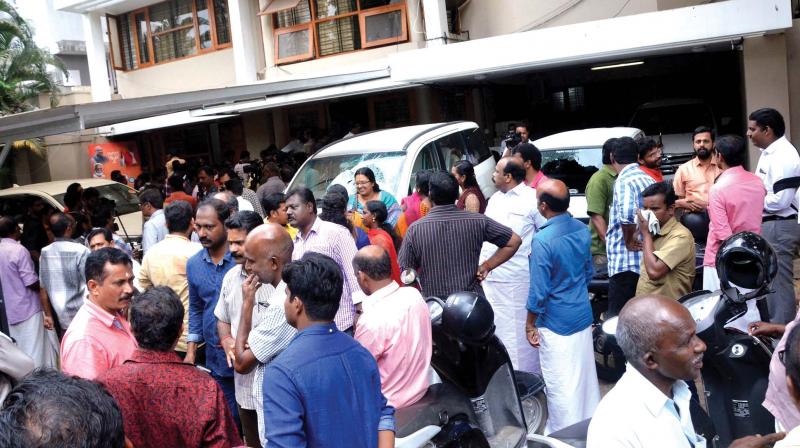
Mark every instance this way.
x=206 y=71
x=50 y=26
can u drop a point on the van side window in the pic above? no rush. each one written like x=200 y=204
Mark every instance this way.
x=476 y=144
x=426 y=160
x=452 y=149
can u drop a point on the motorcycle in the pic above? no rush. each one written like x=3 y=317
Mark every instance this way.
x=735 y=365
x=481 y=401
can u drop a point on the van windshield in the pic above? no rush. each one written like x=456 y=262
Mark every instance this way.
x=321 y=172
x=573 y=166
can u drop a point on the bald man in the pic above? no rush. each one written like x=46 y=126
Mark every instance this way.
x=649 y=406
x=395 y=327
x=267 y=249
x=506 y=287
x=559 y=320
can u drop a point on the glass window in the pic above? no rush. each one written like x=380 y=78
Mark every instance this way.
x=452 y=149
x=330 y=8
x=293 y=44
x=222 y=20
x=321 y=172
x=476 y=145
x=384 y=26
x=339 y=26
x=426 y=160
x=573 y=166
x=338 y=36
x=172 y=30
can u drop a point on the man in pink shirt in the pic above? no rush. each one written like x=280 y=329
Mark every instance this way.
x=395 y=327
x=733 y=204
x=99 y=336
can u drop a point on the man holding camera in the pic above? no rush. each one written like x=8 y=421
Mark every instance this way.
x=514 y=137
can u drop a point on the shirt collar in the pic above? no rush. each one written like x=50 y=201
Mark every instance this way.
x=654 y=400
x=772 y=146
x=669 y=226
x=314 y=229
x=174 y=236
x=318 y=329
x=154 y=357
x=9 y=240
x=630 y=167
x=557 y=219
x=537 y=179
x=609 y=170
x=384 y=292
x=207 y=257
x=696 y=161
x=516 y=190
x=442 y=208
x=100 y=314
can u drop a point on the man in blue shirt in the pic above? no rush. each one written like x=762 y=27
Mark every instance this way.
x=205 y=271
x=559 y=314
x=623 y=246
x=324 y=389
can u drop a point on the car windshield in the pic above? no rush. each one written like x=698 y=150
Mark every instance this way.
x=124 y=197
x=574 y=166
x=677 y=119
x=321 y=172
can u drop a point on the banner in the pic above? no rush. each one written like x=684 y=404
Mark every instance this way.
x=105 y=158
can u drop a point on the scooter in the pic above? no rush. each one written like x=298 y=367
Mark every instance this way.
x=481 y=401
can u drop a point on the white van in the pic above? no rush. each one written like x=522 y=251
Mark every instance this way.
x=573 y=157
x=395 y=155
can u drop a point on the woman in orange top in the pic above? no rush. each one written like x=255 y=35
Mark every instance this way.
x=382 y=234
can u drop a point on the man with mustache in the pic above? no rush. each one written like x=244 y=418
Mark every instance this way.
x=229 y=312
x=205 y=271
x=649 y=406
x=99 y=337
x=695 y=177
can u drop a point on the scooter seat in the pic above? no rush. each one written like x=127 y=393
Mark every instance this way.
x=440 y=401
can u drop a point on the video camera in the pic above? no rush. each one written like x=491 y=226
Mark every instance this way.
x=512 y=139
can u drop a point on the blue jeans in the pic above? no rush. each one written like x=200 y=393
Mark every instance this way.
x=228 y=388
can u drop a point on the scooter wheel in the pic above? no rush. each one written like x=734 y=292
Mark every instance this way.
x=535 y=409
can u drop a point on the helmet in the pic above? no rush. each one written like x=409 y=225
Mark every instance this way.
x=747 y=264
x=468 y=317
x=697 y=223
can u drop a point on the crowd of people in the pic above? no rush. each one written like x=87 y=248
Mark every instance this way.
x=252 y=320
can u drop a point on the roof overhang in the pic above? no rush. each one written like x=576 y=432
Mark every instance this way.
x=622 y=38
x=76 y=118
x=101 y=6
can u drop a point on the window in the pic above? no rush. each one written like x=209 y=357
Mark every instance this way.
x=426 y=160
x=168 y=31
x=306 y=29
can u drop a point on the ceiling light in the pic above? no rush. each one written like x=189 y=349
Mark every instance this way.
x=622 y=64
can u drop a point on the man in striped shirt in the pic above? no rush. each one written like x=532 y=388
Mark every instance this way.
x=445 y=245
x=623 y=247
x=327 y=238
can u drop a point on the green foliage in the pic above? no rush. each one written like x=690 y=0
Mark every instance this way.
x=23 y=66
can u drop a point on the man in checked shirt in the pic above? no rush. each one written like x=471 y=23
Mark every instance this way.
x=267 y=249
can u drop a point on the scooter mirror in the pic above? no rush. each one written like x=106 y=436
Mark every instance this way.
x=435 y=308
x=610 y=326
x=408 y=277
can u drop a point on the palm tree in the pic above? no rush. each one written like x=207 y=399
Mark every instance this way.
x=24 y=67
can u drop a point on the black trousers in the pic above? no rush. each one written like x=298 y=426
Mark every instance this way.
x=621 y=288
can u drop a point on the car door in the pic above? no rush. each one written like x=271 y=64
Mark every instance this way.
x=426 y=159
x=480 y=156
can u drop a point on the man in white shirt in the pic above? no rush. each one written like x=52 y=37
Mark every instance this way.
x=780 y=227
x=267 y=249
x=506 y=287
x=649 y=406
x=228 y=314
x=155 y=228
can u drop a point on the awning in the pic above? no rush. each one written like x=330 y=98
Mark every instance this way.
x=663 y=32
x=75 y=118
x=278 y=5
x=159 y=122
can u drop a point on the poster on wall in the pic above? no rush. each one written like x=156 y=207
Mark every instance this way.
x=106 y=158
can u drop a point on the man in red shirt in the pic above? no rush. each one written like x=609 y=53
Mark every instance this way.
x=176 y=186
x=164 y=401
x=650 y=159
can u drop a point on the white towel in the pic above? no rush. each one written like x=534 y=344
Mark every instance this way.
x=652 y=221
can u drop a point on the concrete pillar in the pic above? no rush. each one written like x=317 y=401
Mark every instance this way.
x=425 y=105
x=766 y=80
x=244 y=36
x=280 y=124
x=96 y=55
x=435 y=22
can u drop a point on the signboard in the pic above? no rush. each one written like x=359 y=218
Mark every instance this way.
x=105 y=158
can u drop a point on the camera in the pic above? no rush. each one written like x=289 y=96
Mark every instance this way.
x=512 y=139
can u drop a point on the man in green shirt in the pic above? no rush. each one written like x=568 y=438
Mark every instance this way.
x=599 y=193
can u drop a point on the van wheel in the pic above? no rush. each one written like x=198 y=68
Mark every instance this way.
x=535 y=409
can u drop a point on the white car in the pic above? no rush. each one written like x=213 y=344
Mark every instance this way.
x=573 y=156
x=395 y=155
x=129 y=216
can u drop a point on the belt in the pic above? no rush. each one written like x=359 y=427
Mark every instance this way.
x=778 y=218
